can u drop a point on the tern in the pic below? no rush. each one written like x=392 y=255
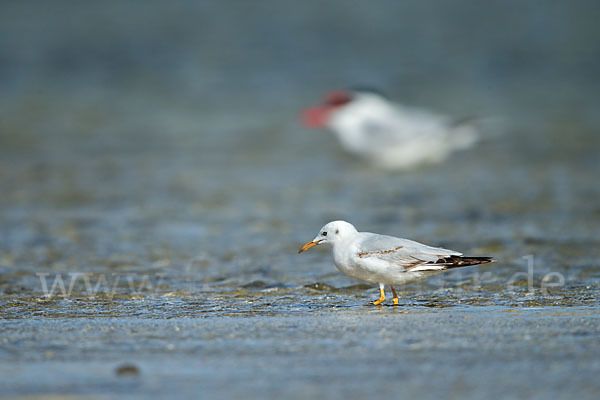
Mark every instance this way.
x=386 y=134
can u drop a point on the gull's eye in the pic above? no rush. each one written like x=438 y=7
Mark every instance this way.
x=323 y=233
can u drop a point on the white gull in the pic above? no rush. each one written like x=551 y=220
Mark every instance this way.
x=386 y=260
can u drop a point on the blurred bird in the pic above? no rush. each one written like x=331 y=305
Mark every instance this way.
x=386 y=134
x=386 y=260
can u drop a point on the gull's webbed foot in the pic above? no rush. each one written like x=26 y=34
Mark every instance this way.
x=381 y=296
x=395 y=298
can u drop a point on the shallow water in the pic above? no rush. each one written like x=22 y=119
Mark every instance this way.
x=154 y=165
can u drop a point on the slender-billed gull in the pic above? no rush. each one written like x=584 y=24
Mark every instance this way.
x=386 y=260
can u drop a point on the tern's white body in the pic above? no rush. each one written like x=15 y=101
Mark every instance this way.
x=389 y=135
x=393 y=136
x=386 y=260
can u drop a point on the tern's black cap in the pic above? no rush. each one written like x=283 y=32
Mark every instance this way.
x=367 y=89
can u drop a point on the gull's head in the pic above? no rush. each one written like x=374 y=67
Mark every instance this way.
x=332 y=233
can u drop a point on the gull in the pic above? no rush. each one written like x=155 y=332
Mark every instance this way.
x=386 y=134
x=386 y=260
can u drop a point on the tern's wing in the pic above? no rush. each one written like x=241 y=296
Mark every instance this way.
x=382 y=133
x=407 y=254
x=401 y=124
x=426 y=125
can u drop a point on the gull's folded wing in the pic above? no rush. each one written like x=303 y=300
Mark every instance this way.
x=407 y=254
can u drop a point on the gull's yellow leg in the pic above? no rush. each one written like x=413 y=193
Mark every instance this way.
x=381 y=295
x=395 y=298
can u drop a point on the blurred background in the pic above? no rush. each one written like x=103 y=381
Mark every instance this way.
x=144 y=132
x=163 y=137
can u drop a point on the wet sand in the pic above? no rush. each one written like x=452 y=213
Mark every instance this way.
x=303 y=350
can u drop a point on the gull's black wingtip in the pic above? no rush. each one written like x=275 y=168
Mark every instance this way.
x=463 y=261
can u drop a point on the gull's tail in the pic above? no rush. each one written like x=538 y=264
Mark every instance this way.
x=461 y=261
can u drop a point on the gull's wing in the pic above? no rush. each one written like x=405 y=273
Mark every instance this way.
x=405 y=253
